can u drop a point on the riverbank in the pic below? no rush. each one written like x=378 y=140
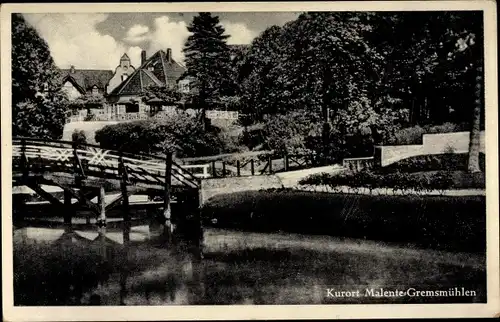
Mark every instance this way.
x=452 y=223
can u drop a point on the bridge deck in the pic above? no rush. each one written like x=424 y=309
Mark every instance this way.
x=97 y=166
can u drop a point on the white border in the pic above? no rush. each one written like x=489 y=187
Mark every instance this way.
x=492 y=308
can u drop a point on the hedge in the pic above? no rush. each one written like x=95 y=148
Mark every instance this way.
x=413 y=135
x=438 y=222
x=419 y=182
x=433 y=162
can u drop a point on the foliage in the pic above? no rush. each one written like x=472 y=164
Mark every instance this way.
x=127 y=136
x=168 y=95
x=90 y=117
x=406 y=136
x=333 y=65
x=319 y=60
x=418 y=220
x=434 y=162
x=287 y=133
x=79 y=136
x=38 y=103
x=403 y=182
x=208 y=59
x=413 y=135
x=88 y=101
x=179 y=133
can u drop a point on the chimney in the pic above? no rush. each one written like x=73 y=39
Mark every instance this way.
x=143 y=57
x=72 y=69
x=169 y=54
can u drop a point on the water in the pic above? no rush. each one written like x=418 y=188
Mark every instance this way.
x=54 y=267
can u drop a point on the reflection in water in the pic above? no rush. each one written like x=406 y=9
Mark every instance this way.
x=130 y=267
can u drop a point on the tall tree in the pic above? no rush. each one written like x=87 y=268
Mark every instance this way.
x=38 y=103
x=208 y=60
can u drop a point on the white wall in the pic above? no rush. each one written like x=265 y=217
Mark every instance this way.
x=88 y=127
x=432 y=144
x=71 y=91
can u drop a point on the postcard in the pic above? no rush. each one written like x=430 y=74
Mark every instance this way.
x=258 y=160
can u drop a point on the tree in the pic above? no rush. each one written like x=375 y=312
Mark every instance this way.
x=38 y=103
x=88 y=101
x=208 y=60
x=167 y=95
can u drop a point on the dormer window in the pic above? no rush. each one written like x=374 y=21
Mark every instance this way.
x=95 y=90
x=124 y=77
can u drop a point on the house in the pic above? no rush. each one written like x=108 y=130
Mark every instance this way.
x=158 y=70
x=78 y=82
x=122 y=72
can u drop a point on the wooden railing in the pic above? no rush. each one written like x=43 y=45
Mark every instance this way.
x=86 y=160
x=358 y=164
x=262 y=164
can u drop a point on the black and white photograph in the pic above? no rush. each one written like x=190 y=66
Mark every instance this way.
x=213 y=156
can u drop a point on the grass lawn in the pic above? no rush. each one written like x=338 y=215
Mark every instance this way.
x=438 y=222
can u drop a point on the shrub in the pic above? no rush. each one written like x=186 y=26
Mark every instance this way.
x=252 y=138
x=410 y=135
x=179 y=133
x=401 y=181
x=89 y=117
x=79 y=136
x=413 y=135
x=447 y=128
x=433 y=162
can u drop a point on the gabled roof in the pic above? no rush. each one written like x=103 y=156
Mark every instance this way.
x=159 y=70
x=85 y=79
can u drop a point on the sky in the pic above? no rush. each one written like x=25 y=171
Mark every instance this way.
x=98 y=40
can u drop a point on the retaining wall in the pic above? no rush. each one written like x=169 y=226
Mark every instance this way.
x=458 y=142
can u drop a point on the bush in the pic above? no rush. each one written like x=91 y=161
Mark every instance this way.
x=406 y=136
x=413 y=135
x=252 y=138
x=179 y=133
x=79 y=136
x=447 y=128
x=401 y=181
x=433 y=162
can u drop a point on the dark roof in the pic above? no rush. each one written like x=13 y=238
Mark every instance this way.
x=165 y=72
x=85 y=79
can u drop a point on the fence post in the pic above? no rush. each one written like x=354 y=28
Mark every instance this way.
x=214 y=172
x=68 y=211
x=238 y=167
x=270 y=164
x=252 y=167
x=223 y=169
x=167 y=213
x=125 y=202
x=286 y=162
x=24 y=159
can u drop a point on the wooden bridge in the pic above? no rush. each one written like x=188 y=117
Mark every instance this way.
x=85 y=171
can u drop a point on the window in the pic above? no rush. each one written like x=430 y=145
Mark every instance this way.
x=124 y=77
x=95 y=90
x=132 y=108
x=184 y=87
